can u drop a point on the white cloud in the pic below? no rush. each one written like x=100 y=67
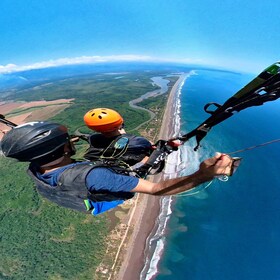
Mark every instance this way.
x=9 y=68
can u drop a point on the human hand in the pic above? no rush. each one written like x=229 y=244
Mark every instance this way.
x=121 y=130
x=174 y=143
x=74 y=139
x=218 y=165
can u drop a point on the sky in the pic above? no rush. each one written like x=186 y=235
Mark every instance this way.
x=234 y=34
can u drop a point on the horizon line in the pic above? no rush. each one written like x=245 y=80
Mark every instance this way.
x=13 y=68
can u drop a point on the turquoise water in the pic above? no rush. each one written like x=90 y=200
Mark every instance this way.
x=231 y=230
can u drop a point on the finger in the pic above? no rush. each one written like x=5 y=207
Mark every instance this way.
x=74 y=139
x=223 y=157
x=218 y=155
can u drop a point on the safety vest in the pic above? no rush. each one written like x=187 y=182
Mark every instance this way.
x=71 y=190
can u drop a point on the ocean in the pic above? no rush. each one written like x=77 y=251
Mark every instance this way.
x=225 y=230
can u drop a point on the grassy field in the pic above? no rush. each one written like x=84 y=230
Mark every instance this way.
x=40 y=240
x=92 y=92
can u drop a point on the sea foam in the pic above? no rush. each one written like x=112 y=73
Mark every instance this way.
x=176 y=162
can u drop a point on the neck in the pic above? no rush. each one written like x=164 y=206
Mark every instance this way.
x=51 y=167
x=111 y=134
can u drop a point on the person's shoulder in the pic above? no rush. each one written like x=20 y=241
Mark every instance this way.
x=139 y=141
x=97 y=138
x=137 y=137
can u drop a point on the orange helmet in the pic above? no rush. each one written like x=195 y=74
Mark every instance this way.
x=103 y=119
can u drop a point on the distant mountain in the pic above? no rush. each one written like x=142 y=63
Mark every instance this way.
x=37 y=76
x=83 y=69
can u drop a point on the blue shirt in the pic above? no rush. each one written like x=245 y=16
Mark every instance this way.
x=99 y=178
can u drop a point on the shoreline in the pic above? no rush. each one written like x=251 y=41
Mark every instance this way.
x=145 y=217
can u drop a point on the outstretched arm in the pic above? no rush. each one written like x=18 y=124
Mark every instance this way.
x=220 y=164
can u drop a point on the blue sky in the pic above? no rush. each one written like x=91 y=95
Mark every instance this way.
x=235 y=34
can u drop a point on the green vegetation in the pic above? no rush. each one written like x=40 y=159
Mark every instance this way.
x=157 y=105
x=91 y=92
x=40 y=240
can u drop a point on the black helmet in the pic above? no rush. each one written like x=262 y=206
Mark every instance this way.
x=39 y=142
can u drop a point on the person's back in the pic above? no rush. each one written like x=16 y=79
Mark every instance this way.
x=138 y=148
x=109 y=124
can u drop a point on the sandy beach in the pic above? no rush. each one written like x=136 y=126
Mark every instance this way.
x=148 y=207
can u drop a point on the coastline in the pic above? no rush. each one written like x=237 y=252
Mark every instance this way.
x=145 y=216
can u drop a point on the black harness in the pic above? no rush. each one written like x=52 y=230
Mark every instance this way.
x=134 y=153
x=100 y=147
